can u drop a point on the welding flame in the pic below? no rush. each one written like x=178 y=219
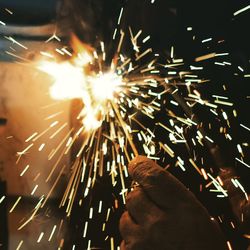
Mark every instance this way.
x=73 y=79
x=69 y=80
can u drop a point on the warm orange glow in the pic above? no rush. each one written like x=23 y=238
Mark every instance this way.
x=69 y=80
x=74 y=80
x=105 y=86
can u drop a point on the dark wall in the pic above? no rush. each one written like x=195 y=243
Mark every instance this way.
x=28 y=12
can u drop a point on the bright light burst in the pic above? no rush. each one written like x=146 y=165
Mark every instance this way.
x=72 y=79
x=95 y=91
x=69 y=80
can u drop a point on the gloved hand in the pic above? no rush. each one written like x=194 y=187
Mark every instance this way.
x=163 y=215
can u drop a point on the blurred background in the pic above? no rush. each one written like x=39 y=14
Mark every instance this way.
x=25 y=106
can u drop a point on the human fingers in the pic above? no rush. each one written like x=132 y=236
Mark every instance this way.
x=122 y=245
x=160 y=186
x=141 y=208
x=128 y=229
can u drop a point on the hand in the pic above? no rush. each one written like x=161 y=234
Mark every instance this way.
x=163 y=215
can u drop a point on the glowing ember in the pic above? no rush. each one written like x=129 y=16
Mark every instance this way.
x=72 y=81
x=69 y=80
x=105 y=86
